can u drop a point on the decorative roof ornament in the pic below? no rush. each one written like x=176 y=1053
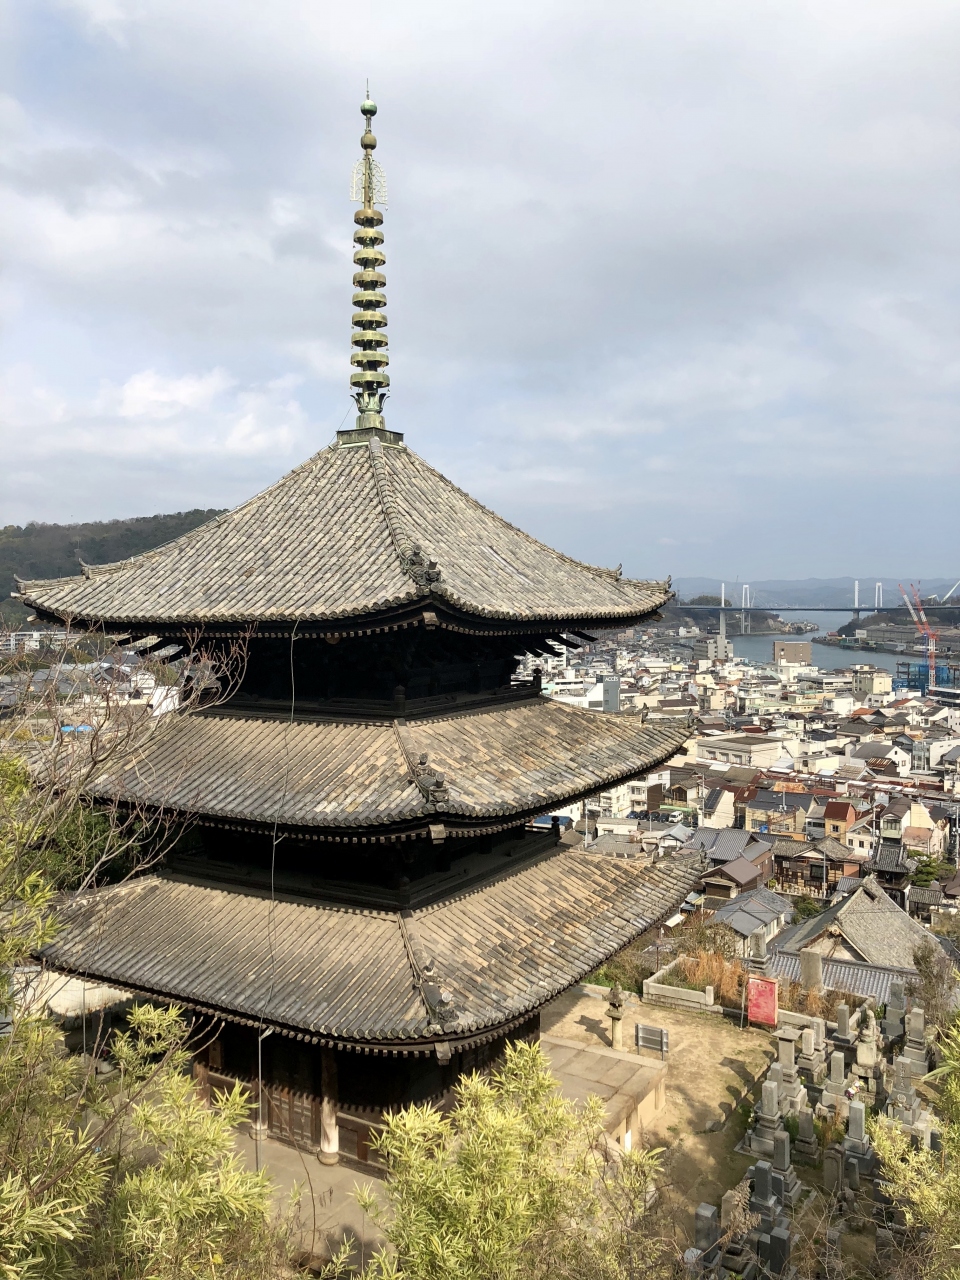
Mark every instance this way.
x=369 y=380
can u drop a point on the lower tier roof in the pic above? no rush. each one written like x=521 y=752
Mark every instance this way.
x=521 y=759
x=457 y=971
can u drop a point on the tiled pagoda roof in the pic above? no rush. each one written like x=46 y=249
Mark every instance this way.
x=361 y=529
x=519 y=759
x=336 y=974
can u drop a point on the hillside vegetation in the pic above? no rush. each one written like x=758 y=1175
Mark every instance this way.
x=55 y=550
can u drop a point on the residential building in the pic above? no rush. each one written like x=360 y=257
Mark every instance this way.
x=865 y=926
x=815 y=868
x=882 y=758
x=871 y=681
x=793 y=651
x=838 y=817
x=718 y=808
x=713 y=648
x=782 y=813
x=741 y=748
x=892 y=869
x=814 y=828
x=720 y=847
x=758 y=911
x=861 y=836
x=731 y=878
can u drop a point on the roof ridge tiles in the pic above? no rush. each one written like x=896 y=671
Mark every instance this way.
x=409 y=550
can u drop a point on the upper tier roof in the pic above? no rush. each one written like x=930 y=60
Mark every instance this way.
x=361 y=529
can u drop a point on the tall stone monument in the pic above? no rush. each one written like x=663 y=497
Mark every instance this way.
x=787 y=1186
x=895 y=1013
x=769 y=1122
x=904 y=1106
x=793 y=1096
x=915 y=1049
x=811 y=1060
x=834 y=1097
x=811 y=971
x=806 y=1149
x=856 y=1144
x=868 y=1066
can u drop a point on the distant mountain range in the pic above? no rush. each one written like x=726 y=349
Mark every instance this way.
x=55 y=550
x=829 y=592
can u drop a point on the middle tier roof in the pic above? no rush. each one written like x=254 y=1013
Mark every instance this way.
x=328 y=775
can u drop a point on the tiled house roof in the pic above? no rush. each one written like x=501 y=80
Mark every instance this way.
x=749 y=911
x=867 y=921
x=843 y=975
x=894 y=860
x=724 y=844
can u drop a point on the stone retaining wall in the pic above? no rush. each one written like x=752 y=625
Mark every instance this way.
x=660 y=993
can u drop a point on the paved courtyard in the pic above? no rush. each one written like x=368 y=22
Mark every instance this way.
x=327 y=1209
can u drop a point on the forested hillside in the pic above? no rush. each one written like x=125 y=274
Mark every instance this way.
x=55 y=550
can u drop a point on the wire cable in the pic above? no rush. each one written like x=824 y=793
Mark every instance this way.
x=271 y=911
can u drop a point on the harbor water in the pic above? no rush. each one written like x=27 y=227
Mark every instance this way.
x=759 y=648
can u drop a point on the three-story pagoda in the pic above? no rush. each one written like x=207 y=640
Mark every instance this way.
x=359 y=904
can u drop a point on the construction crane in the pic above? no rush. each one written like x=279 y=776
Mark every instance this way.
x=919 y=617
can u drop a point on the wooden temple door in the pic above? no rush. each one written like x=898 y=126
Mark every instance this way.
x=290 y=1115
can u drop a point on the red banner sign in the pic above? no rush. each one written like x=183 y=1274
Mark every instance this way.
x=762 y=1001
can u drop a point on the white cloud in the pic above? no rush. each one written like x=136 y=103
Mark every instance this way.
x=149 y=395
x=201 y=416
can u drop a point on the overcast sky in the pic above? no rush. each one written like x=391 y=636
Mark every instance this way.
x=673 y=283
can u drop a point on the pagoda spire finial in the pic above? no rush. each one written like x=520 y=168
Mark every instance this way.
x=369 y=381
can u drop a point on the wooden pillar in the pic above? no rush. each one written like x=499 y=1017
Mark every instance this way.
x=201 y=1077
x=329 y=1101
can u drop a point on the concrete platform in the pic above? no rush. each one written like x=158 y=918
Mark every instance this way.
x=632 y=1090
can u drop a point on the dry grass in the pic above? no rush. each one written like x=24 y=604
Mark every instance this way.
x=727 y=977
x=710 y=969
x=795 y=998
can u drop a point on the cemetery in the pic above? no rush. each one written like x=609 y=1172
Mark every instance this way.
x=768 y=1115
